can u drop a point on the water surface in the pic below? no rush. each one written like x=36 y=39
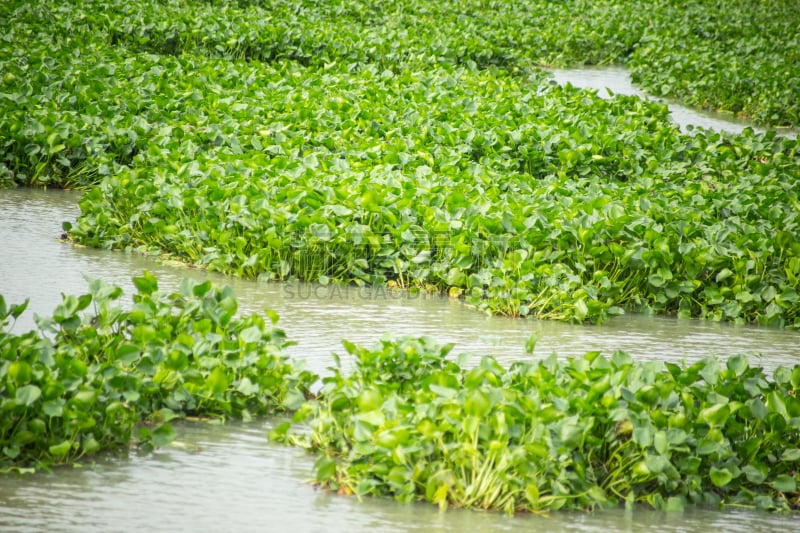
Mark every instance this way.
x=231 y=478
x=37 y=265
x=611 y=80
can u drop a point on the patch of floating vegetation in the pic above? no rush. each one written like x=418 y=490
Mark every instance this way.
x=96 y=377
x=447 y=164
x=406 y=421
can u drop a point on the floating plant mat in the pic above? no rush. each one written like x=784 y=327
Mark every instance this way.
x=94 y=376
x=462 y=171
x=740 y=56
x=583 y=433
x=592 y=431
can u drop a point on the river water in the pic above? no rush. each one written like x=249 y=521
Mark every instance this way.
x=230 y=478
x=610 y=80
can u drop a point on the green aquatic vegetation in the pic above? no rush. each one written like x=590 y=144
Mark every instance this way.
x=469 y=176
x=525 y=209
x=741 y=57
x=405 y=420
x=96 y=376
x=738 y=56
x=408 y=423
x=383 y=33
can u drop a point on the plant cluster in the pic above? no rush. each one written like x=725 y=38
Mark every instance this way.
x=741 y=57
x=420 y=166
x=405 y=421
x=583 y=433
x=97 y=377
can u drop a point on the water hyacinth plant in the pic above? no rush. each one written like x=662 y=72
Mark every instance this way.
x=268 y=144
x=584 y=433
x=406 y=421
x=415 y=144
x=97 y=377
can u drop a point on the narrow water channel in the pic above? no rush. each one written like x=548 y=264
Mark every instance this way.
x=611 y=80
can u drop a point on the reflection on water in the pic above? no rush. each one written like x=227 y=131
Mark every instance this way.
x=229 y=478
x=617 y=80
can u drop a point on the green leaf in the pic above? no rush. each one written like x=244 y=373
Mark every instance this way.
x=643 y=436
x=351 y=348
x=532 y=494
x=375 y=417
x=477 y=404
x=530 y=342
x=754 y=475
x=60 y=450
x=250 y=335
x=53 y=407
x=784 y=483
x=218 y=380
x=90 y=444
x=324 y=468
x=280 y=432
x=445 y=392
x=790 y=455
x=16 y=310
x=674 y=504
x=720 y=476
x=146 y=283
x=247 y=388
x=738 y=364
x=758 y=408
x=716 y=415
x=660 y=442
x=28 y=394
x=320 y=231
x=710 y=371
x=724 y=274
x=293 y=400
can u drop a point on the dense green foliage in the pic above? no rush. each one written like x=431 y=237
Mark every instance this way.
x=416 y=144
x=739 y=55
x=742 y=56
x=406 y=421
x=98 y=377
x=582 y=433
x=414 y=169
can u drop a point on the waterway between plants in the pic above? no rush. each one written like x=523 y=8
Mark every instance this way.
x=611 y=80
x=230 y=478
